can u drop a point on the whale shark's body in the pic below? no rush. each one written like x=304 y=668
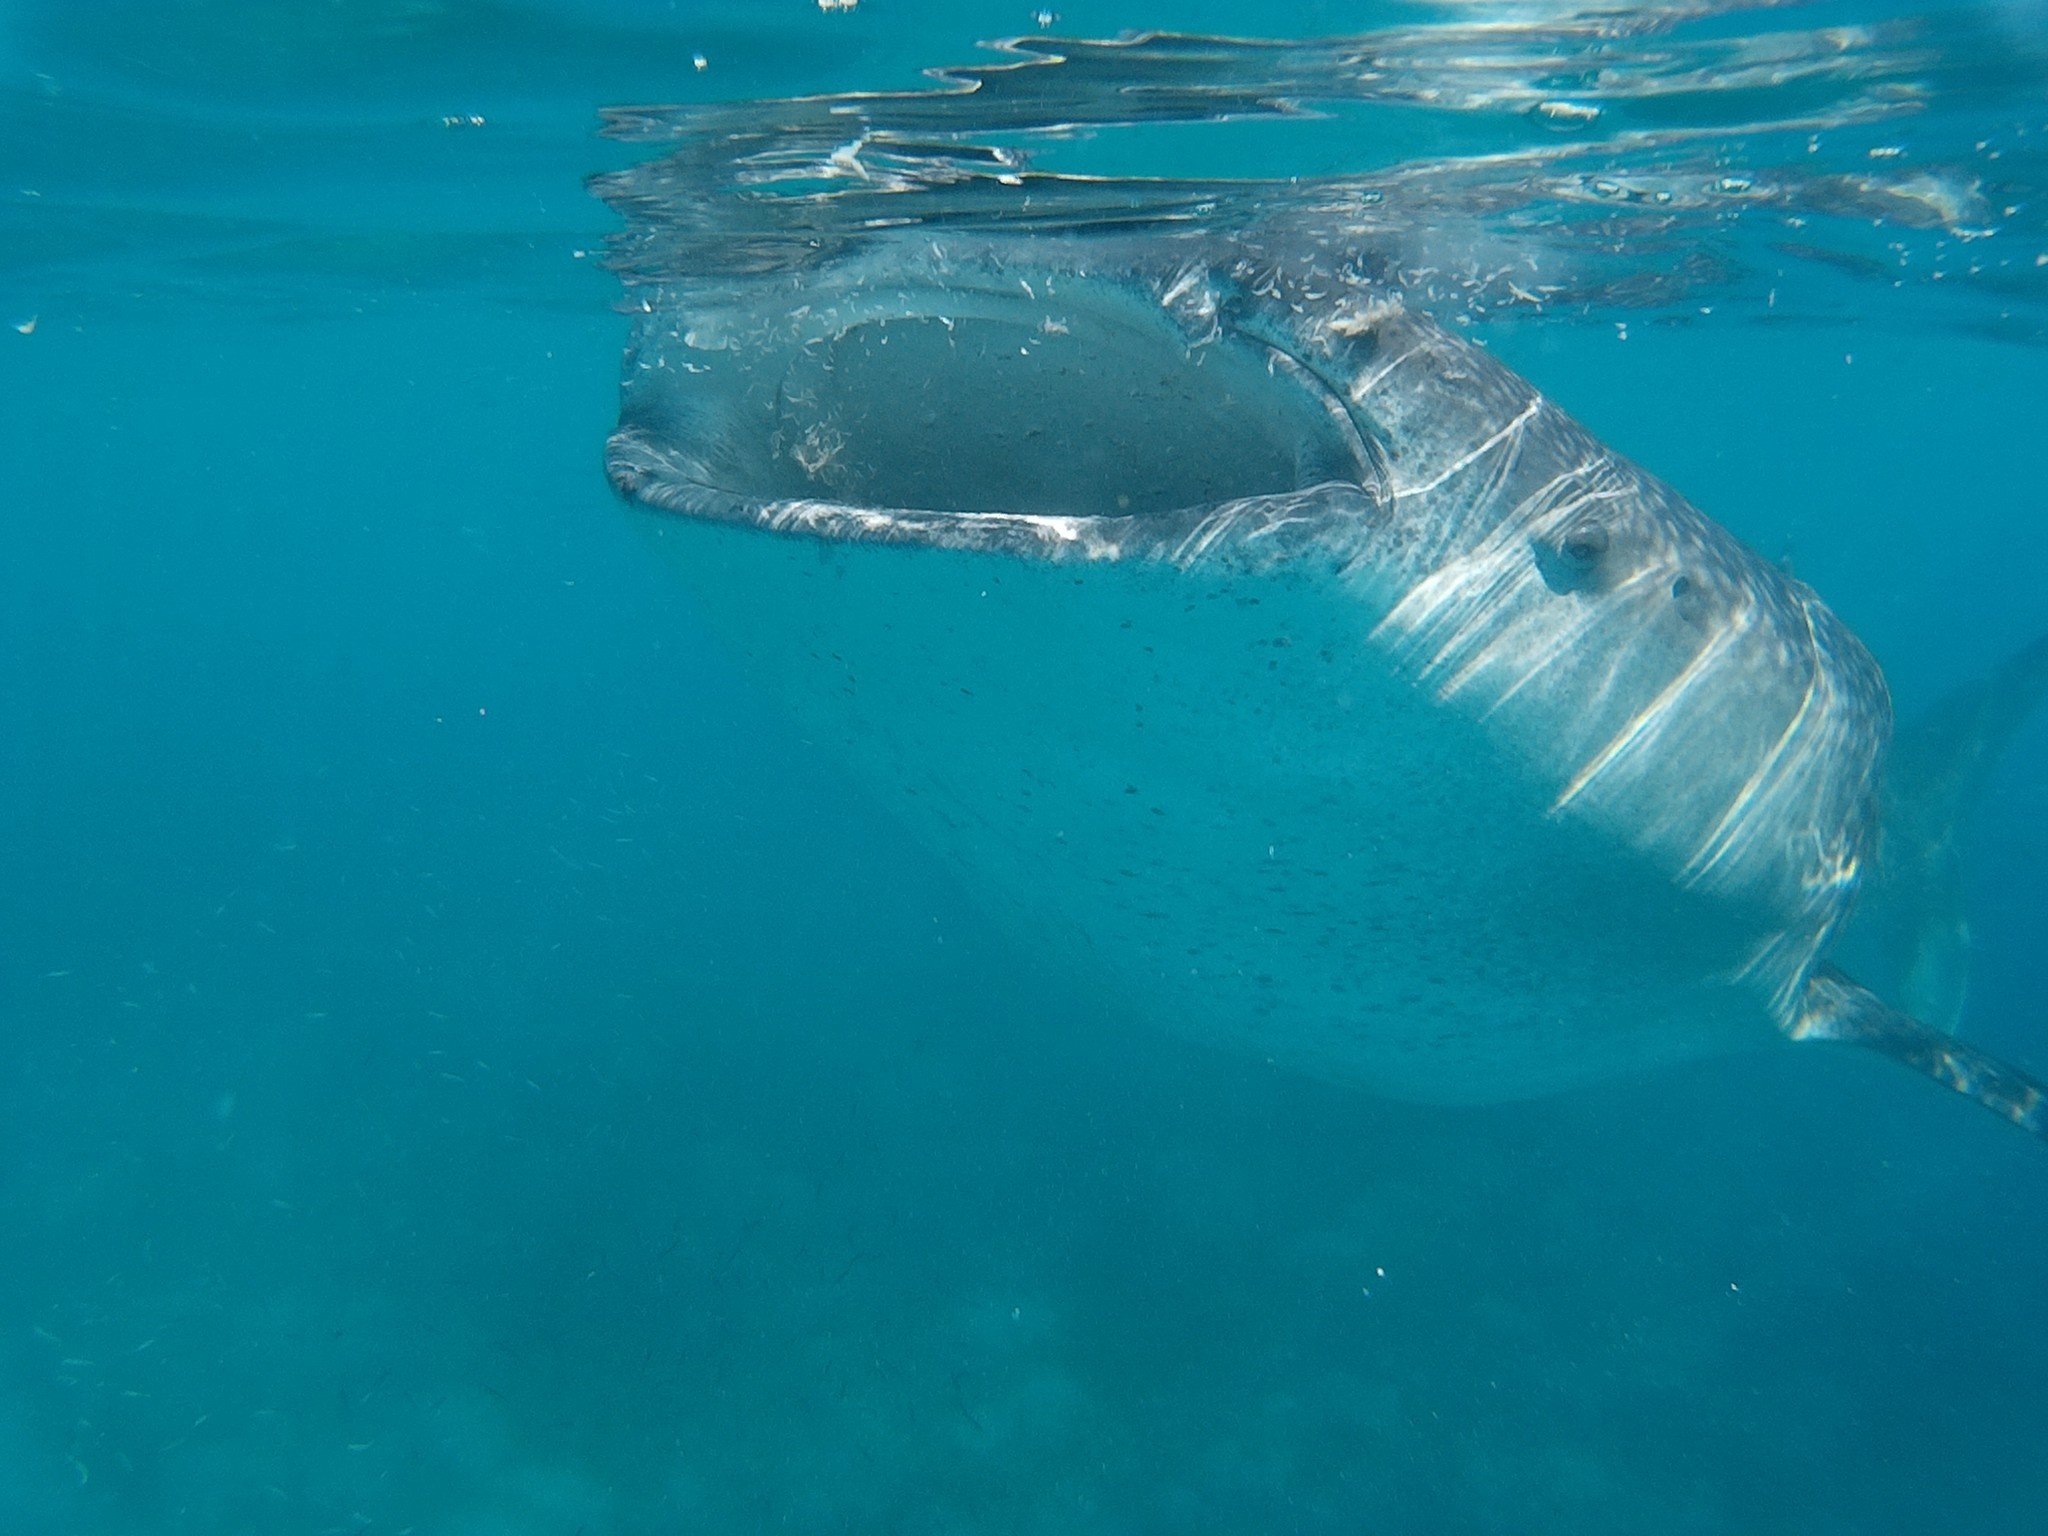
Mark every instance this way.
x=1261 y=651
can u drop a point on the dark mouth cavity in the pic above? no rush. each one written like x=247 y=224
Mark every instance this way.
x=1050 y=408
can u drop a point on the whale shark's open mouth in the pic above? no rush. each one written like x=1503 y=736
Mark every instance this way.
x=997 y=396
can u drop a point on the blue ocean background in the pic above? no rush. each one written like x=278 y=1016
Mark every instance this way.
x=468 y=1066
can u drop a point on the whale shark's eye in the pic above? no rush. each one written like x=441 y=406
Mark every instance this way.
x=1571 y=561
x=1585 y=543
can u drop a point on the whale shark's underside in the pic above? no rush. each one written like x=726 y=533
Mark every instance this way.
x=1255 y=647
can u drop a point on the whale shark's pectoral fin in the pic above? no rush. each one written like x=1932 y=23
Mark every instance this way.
x=1837 y=1008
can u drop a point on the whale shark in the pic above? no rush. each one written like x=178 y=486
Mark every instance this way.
x=1272 y=659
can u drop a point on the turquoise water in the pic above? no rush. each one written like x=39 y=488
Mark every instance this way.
x=467 y=1064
